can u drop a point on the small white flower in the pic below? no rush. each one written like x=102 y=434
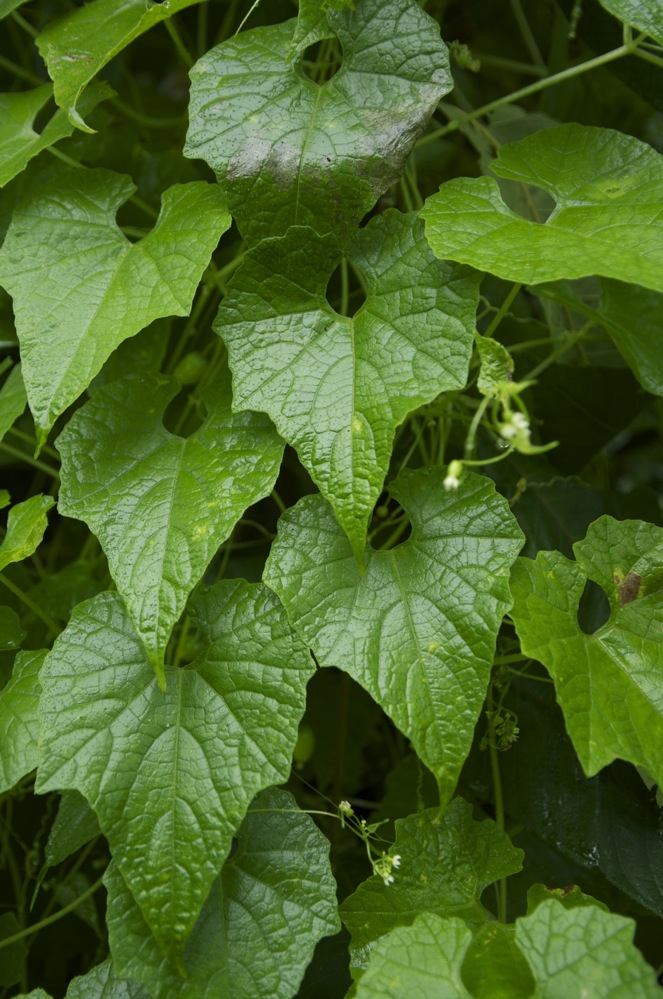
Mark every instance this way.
x=346 y=807
x=388 y=879
x=396 y=860
x=452 y=480
x=520 y=421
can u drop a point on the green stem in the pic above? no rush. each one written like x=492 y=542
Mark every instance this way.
x=533 y=88
x=29 y=460
x=30 y=604
x=524 y=68
x=65 y=910
x=22 y=23
x=29 y=439
x=499 y=806
x=182 y=50
x=527 y=35
x=17 y=70
x=143 y=119
x=474 y=426
x=648 y=57
x=503 y=309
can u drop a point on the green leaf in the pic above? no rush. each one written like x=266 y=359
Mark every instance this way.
x=75 y=47
x=569 y=898
x=97 y=288
x=604 y=184
x=19 y=143
x=421 y=960
x=7 y=6
x=494 y=966
x=312 y=24
x=645 y=15
x=584 y=952
x=13 y=399
x=335 y=387
x=632 y=316
x=102 y=983
x=608 y=684
x=418 y=629
x=447 y=859
x=75 y=825
x=19 y=719
x=25 y=529
x=289 y=152
x=170 y=775
x=161 y=505
x=496 y=365
x=275 y=897
x=13 y=955
x=12 y=632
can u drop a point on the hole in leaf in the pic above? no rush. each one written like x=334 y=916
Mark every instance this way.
x=593 y=609
x=345 y=293
x=44 y=115
x=532 y=203
x=390 y=525
x=184 y=414
x=321 y=62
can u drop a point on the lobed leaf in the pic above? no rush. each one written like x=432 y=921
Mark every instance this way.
x=422 y=960
x=584 y=951
x=447 y=859
x=97 y=288
x=289 y=152
x=19 y=719
x=170 y=775
x=25 y=529
x=608 y=684
x=19 y=143
x=274 y=899
x=76 y=46
x=336 y=387
x=160 y=504
x=417 y=630
x=607 y=187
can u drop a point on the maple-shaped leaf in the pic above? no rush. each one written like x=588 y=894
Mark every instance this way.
x=95 y=287
x=417 y=630
x=337 y=387
x=170 y=775
x=609 y=684
x=160 y=504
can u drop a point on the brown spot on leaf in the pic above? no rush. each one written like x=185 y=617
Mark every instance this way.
x=629 y=589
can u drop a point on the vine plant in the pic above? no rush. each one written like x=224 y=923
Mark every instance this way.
x=331 y=645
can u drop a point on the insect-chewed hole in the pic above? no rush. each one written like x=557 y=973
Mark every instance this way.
x=184 y=414
x=321 y=62
x=593 y=609
x=345 y=293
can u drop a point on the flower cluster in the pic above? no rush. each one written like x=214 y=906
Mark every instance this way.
x=385 y=864
x=516 y=431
